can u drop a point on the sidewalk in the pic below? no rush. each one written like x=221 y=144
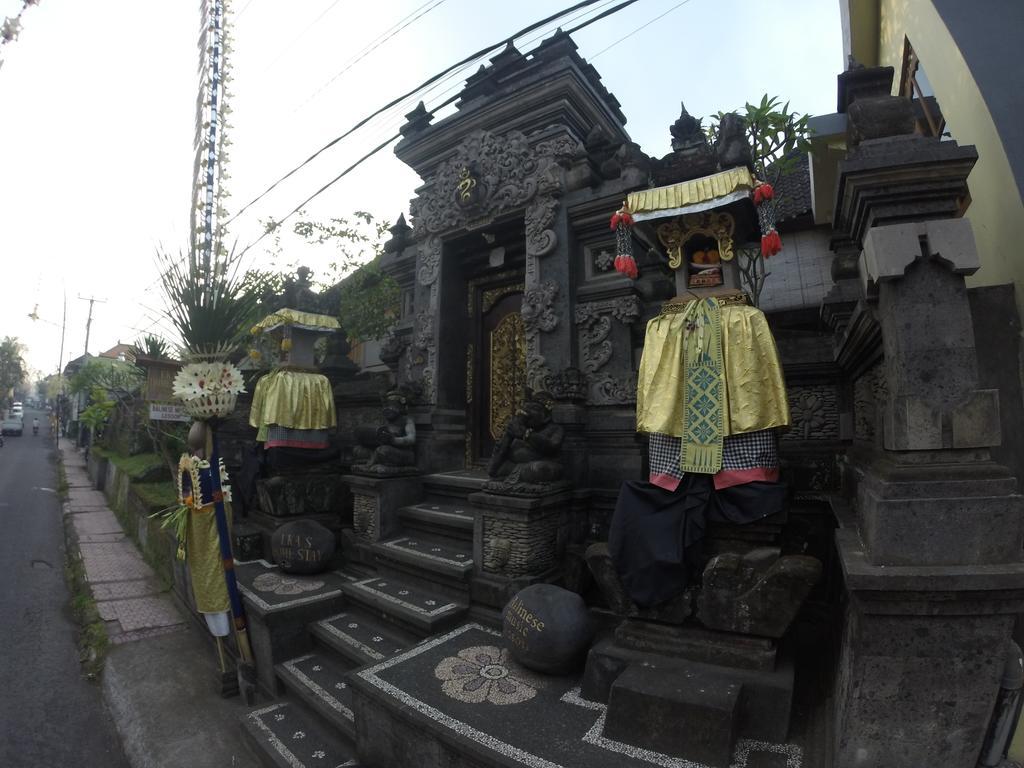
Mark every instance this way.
x=160 y=672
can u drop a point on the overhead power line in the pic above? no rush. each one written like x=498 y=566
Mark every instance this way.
x=642 y=26
x=286 y=48
x=429 y=81
x=571 y=14
x=374 y=45
x=397 y=136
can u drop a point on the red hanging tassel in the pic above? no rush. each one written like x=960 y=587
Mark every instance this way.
x=625 y=264
x=763 y=193
x=621 y=216
x=771 y=244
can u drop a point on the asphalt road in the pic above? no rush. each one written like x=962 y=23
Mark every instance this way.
x=49 y=714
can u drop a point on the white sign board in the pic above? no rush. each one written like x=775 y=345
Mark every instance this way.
x=163 y=411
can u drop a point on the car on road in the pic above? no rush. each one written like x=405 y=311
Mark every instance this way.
x=13 y=424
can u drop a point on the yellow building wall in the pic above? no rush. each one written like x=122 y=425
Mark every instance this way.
x=997 y=211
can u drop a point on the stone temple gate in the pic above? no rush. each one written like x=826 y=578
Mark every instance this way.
x=866 y=623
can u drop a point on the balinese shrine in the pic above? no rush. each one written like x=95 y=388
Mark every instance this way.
x=620 y=499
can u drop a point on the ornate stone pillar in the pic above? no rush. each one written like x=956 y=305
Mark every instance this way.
x=930 y=544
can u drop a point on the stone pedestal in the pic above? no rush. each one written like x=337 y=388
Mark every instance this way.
x=515 y=542
x=694 y=668
x=376 y=501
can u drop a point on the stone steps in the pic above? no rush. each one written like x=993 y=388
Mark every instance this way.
x=454 y=486
x=412 y=607
x=433 y=556
x=322 y=687
x=440 y=517
x=359 y=639
x=285 y=735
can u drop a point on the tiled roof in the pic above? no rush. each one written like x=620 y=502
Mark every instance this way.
x=793 y=191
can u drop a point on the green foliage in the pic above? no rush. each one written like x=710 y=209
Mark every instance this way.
x=115 y=376
x=369 y=302
x=96 y=415
x=369 y=298
x=211 y=309
x=151 y=346
x=12 y=367
x=776 y=135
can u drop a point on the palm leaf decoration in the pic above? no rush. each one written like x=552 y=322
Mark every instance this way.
x=211 y=308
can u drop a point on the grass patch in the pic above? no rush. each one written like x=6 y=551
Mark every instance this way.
x=63 y=489
x=136 y=466
x=93 y=641
x=157 y=496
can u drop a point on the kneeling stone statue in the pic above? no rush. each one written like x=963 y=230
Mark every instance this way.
x=529 y=449
x=391 y=445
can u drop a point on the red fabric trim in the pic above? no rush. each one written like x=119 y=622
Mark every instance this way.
x=668 y=482
x=294 y=444
x=727 y=478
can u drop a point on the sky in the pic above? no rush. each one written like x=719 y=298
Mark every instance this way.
x=97 y=114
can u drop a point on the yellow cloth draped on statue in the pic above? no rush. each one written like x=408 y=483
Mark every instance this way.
x=293 y=399
x=202 y=543
x=755 y=389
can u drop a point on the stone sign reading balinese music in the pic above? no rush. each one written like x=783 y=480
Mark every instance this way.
x=548 y=629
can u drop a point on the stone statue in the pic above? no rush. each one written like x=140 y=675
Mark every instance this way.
x=299 y=292
x=687 y=131
x=529 y=449
x=391 y=445
x=758 y=593
x=731 y=147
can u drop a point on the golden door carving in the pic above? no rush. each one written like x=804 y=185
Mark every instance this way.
x=508 y=372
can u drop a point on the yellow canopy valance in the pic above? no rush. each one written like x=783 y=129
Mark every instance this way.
x=293 y=399
x=691 y=196
x=296 y=318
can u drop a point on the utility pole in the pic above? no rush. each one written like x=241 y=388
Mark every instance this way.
x=88 y=323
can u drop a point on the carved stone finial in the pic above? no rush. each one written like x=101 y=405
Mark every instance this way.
x=417 y=120
x=400 y=232
x=686 y=131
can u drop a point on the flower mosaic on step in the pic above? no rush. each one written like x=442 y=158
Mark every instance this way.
x=284 y=585
x=485 y=673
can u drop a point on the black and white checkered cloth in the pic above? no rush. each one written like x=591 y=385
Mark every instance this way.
x=751 y=450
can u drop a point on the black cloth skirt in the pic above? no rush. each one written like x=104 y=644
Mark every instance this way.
x=656 y=535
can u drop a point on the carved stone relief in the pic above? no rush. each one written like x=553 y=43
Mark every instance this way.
x=430 y=260
x=489 y=175
x=595 y=326
x=869 y=395
x=815 y=413
x=606 y=389
x=540 y=238
x=539 y=315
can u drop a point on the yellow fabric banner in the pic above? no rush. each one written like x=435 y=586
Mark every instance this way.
x=293 y=399
x=690 y=192
x=755 y=388
x=297 y=318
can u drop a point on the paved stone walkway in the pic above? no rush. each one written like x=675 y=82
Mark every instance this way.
x=129 y=597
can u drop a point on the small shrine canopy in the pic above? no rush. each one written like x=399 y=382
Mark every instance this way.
x=692 y=196
x=296 y=318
